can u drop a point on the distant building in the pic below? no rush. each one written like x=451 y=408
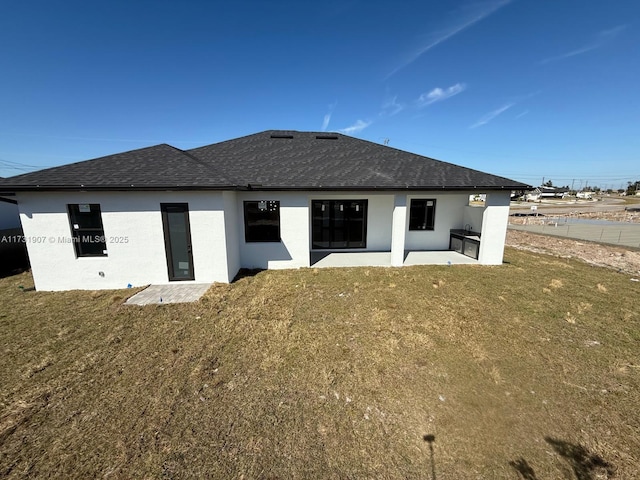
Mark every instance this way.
x=553 y=192
x=585 y=195
x=540 y=193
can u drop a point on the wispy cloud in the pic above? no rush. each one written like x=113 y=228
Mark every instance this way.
x=438 y=94
x=327 y=117
x=491 y=115
x=464 y=18
x=391 y=107
x=521 y=114
x=356 y=127
x=325 y=122
x=602 y=38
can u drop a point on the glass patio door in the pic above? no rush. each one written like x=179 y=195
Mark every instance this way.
x=339 y=224
x=177 y=241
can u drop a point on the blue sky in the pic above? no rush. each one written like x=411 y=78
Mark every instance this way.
x=521 y=88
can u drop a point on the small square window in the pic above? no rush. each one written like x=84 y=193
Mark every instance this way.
x=422 y=214
x=262 y=221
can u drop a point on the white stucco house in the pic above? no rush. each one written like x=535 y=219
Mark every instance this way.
x=272 y=200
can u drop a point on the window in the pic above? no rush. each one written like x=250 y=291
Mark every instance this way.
x=339 y=223
x=86 y=230
x=422 y=214
x=262 y=221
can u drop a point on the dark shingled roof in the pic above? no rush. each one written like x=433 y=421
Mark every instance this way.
x=158 y=167
x=282 y=160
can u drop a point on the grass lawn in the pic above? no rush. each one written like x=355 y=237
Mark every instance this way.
x=632 y=200
x=528 y=370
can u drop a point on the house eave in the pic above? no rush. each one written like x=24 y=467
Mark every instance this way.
x=7 y=200
x=105 y=188
x=395 y=188
x=11 y=190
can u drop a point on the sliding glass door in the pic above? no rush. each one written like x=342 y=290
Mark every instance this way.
x=339 y=224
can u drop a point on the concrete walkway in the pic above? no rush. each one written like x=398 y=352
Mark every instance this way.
x=172 y=293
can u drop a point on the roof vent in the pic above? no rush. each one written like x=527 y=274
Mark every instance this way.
x=326 y=137
x=281 y=135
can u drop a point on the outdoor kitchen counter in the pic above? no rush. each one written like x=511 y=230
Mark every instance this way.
x=466 y=242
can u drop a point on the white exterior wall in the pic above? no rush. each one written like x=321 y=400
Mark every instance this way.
x=473 y=217
x=494 y=228
x=380 y=218
x=217 y=233
x=232 y=241
x=133 y=218
x=450 y=209
x=295 y=227
x=293 y=250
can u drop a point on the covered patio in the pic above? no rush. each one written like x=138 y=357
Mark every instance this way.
x=383 y=259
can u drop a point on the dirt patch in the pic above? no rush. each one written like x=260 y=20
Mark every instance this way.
x=619 y=258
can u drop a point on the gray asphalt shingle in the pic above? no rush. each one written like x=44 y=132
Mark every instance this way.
x=160 y=166
x=268 y=160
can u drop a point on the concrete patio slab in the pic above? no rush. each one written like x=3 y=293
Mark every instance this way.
x=351 y=259
x=445 y=257
x=383 y=259
x=173 y=293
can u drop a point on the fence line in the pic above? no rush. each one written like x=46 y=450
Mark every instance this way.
x=627 y=234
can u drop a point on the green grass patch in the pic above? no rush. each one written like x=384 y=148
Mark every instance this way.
x=530 y=368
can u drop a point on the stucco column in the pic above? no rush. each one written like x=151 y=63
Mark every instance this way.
x=494 y=228
x=231 y=236
x=398 y=230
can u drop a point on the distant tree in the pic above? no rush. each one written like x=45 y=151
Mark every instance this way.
x=633 y=187
x=548 y=183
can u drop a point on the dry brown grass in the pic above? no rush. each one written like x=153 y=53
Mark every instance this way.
x=631 y=200
x=330 y=373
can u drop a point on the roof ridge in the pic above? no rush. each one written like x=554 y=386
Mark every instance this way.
x=209 y=166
